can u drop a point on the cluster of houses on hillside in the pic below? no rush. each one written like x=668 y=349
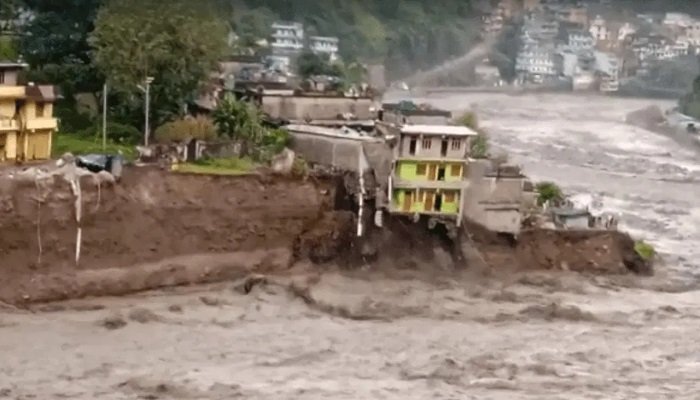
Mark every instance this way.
x=288 y=41
x=591 y=44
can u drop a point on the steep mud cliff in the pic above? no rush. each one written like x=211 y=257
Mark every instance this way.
x=150 y=217
x=157 y=229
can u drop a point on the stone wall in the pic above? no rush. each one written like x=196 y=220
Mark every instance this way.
x=315 y=107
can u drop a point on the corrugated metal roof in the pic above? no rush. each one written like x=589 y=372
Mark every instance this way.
x=449 y=130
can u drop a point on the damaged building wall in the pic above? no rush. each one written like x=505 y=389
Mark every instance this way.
x=342 y=153
x=494 y=200
x=316 y=107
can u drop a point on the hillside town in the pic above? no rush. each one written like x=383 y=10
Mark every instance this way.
x=591 y=45
x=348 y=199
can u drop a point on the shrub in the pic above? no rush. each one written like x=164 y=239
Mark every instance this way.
x=276 y=140
x=548 y=191
x=186 y=129
x=480 y=146
x=116 y=133
x=644 y=250
x=470 y=120
x=300 y=167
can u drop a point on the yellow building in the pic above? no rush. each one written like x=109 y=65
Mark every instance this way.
x=27 y=124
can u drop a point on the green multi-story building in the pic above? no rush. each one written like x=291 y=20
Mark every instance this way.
x=430 y=166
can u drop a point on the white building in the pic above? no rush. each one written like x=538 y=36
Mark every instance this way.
x=536 y=64
x=608 y=68
x=692 y=33
x=626 y=30
x=287 y=37
x=678 y=20
x=599 y=29
x=324 y=45
x=580 y=41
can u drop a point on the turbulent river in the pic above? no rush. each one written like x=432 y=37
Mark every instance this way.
x=418 y=335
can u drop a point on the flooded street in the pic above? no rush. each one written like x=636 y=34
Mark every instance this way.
x=405 y=335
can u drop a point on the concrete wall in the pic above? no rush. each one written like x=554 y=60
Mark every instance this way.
x=339 y=153
x=400 y=119
x=457 y=147
x=7 y=108
x=310 y=107
x=10 y=78
x=493 y=202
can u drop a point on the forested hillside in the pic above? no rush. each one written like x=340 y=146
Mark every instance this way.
x=79 y=45
x=405 y=35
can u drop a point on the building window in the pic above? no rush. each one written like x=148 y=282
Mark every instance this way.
x=39 y=110
x=420 y=169
x=2 y=77
x=427 y=143
x=449 y=197
x=456 y=170
x=456 y=144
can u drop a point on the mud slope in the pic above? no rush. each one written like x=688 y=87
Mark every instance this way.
x=151 y=216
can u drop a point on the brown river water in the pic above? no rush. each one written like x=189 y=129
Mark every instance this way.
x=411 y=335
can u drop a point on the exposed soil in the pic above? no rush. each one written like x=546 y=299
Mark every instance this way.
x=156 y=229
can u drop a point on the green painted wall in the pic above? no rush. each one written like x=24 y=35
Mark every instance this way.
x=419 y=206
x=407 y=170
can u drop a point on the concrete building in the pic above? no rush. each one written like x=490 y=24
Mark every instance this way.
x=287 y=43
x=27 y=124
x=580 y=40
x=536 y=64
x=599 y=29
x=678 y=20
x=625 y=31
x=607 y=68
x=324 y=45
x=571 y=218
x=400 y=114
x=692 y=33
x=495 y=195
x=287 y=37
x=295 y=107
x=429 y=171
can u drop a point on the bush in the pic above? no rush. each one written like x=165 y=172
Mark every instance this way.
x=300 y=167
x=201 y=128
x=470 y=120
x=548 y=191
x=644 y=250
x=116 y=133
x=276 y=140
x=480 y=146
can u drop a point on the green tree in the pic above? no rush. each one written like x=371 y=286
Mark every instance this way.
x=55 y=45
x=548 y=191
x=239 y=121
x=310 y=64
x=185 y=129
x=177 y=42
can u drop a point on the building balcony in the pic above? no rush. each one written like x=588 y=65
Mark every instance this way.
x=287 y=46
x=42 y=123
x=399 y=183
x=8 y=125
x=12 y=92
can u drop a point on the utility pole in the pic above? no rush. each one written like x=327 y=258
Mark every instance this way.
x=147 y=125
x=104 y=117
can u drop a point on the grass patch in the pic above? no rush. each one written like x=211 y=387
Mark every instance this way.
x=218 y=166
x=78 y=145
x=644 y=250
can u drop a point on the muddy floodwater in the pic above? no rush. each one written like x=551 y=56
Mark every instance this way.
x=408 y=334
